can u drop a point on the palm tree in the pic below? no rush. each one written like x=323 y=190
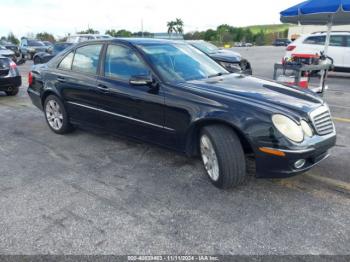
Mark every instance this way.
x=179 y=25
x=171 y=28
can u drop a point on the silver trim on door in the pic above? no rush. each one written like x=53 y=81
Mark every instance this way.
x=122 y=116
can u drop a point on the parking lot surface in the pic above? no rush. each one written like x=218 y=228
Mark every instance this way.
x=94 y=193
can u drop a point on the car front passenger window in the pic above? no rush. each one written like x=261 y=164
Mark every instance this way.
x=122 y=63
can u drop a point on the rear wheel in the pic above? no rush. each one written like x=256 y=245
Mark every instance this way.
x=56 y=115
x=223 y=156
x=14 y=91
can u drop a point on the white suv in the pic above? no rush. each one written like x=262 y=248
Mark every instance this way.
x=339 y=48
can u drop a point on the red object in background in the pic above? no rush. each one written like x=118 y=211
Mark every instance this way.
x=306 y=59
x=291 y=47
x=303 y=83
x=30 y=78
x=13 y=65
x=305 y=55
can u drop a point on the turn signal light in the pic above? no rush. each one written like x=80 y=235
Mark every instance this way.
x=272 y=151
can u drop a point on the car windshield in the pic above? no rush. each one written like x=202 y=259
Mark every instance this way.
x=35 y=43
x=206 y=47
x=181 y=62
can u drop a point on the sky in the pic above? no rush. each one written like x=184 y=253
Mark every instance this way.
x=61 y=17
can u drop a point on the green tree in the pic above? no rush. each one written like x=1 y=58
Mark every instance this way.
x=12 y=38
x=222 y=31
x=45 y=37
x=89 y=31
x=210 y=35
x=123 y=33
x=179 y=24
x=175 y=26
x=171 y=27
x=111 y=32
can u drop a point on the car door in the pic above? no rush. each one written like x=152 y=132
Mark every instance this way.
x=75 y=79
x=336 y=49
x=134 y=110
x=346 y=52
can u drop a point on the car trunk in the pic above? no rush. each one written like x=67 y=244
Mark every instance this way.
x=4 y=67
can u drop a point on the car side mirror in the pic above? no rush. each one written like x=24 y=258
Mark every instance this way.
x=141 y=80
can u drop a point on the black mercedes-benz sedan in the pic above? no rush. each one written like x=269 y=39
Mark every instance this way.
x=171 y=94
x=10 y=78
x=231 y=60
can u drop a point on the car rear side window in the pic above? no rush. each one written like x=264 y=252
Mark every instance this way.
x=315 y=40
x=86 y=59
x=337 y=40
x=122 y=63
x=66 y=63
x=347 y=43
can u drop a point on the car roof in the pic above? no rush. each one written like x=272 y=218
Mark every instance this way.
x=332 y=33
x=134 y=41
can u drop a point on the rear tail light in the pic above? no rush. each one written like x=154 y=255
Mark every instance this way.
x=13 y=65
x=30 y=78
x=291 y=47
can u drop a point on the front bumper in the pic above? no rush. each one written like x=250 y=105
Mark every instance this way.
x=272 y=166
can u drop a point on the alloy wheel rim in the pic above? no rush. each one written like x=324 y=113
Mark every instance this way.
x=209 y=158
x=54 y=115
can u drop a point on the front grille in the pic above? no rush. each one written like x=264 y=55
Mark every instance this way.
x=322 y=120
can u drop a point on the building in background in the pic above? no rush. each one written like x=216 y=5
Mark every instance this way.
x=296 y=31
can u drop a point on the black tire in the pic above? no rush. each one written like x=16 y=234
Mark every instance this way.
x=229 y=153
x=13 y=92
x=66 y=126
x=37 y=60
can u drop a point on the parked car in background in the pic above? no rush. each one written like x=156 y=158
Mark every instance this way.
x=44 y=57
x=47 y=43
x=11 y=46
x=281 y=42
x=339 y=48
x=29 y=47
x=243 y=44
x=4 y=52
x=171 y=94
x=85 y=37
x=10 y=78
x=232 y=61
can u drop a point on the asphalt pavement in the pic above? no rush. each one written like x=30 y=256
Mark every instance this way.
x=94 y=193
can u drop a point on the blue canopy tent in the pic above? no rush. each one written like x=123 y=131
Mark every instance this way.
x=319 y=12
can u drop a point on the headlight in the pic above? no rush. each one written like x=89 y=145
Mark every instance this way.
x=31 y=49
x=306 y=128
x=230 y=65
x=288 y=128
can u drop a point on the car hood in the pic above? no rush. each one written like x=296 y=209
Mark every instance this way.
x=6 y=52
x=258 y=91
x=38 y=48
x=226 y=56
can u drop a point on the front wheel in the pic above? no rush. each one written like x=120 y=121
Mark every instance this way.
x=223 y=156
x=56 y=115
